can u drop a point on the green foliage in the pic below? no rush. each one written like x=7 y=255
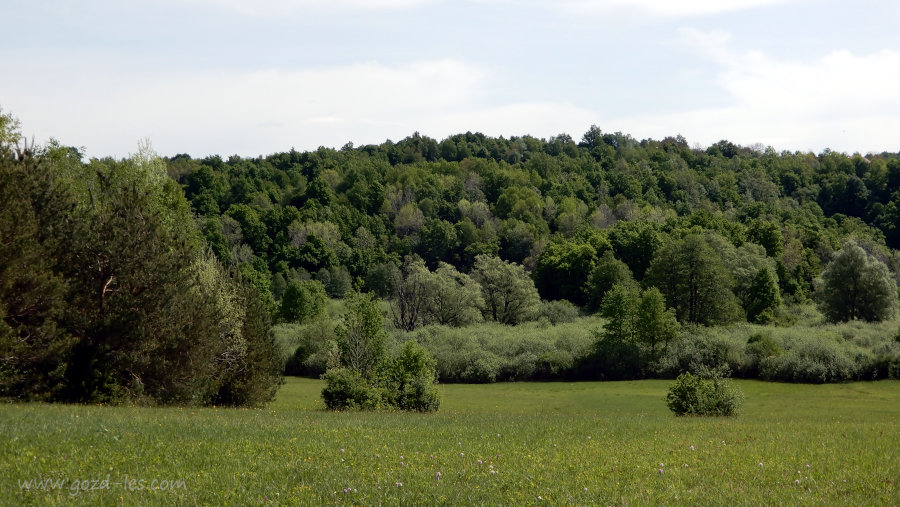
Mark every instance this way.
x=636 y=243
x=347 y=388
x=302 y=301
x=857 y=286
x=361 y=335
x=409 y=379
x=763 y=297
x=814 y=361
x=557 y=312
x=367 y=377
x=707 y=394
x=355 y=212
x=767 y=234
x=761 y=347
x=637 y=331
x=306 y=349
x=491 y=352
x=255 y=373
x=148 y=317
x=694 y=280
x=509 y=294
x=34 y=342
x=451 y=298
x=562 y=269
x=10 y=130
x=703 y=348
x=608 y=272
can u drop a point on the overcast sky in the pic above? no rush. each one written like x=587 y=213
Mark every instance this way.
x=254 y=77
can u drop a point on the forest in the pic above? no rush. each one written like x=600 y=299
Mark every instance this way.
x=505 y=259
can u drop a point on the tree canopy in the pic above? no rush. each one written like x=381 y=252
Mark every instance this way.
x=556 y=207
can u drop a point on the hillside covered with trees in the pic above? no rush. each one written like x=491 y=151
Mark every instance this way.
x=473 y=229
x=158 y=278
x=727 y=233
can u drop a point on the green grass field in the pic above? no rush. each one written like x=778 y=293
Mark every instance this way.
x=498 y=444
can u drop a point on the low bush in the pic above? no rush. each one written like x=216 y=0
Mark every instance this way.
x=408 y=380
x=706 y=394
x=557 y=312
x=491 y=352
x=346 y=388
x=816 y=360
x=701 y=348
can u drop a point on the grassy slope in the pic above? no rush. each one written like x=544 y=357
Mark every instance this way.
x=584 y=443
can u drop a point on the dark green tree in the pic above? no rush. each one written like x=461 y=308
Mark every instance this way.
x=694 y=281
x=303 y=301
x=635 y=243
x=608 y=272
x=763 y=297
x=509 y=294
x=34 y=344
x=562 y=270
x=855 y=286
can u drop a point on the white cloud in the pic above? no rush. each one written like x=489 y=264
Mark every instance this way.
x=252 y=113
x=842 y=100
x=672 y=8
x=289 y=7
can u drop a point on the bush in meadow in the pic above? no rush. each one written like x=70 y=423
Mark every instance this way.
x=346 y=388
x=408 y=379
x=362 y=375
x=709 y=393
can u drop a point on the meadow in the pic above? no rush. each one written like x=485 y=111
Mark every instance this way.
x=583 y=443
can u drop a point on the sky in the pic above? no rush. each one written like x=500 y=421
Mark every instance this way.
x=256 y=77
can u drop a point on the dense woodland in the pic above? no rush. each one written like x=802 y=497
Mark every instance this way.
x=660 y=241
x=158 y=279
x=571 y=213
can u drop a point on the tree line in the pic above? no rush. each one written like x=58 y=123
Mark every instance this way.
x=727 y=233
x=157 y=279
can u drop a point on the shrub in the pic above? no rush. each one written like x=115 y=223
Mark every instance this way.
x=408 y=379
x=491 y=352
x=702 y=348
x=558 y=312
x=405 y=381
x=482 y=368
x=304 y=347
x=760 y=346
x=707 y=394
x=346 y=388
x=816 y=361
